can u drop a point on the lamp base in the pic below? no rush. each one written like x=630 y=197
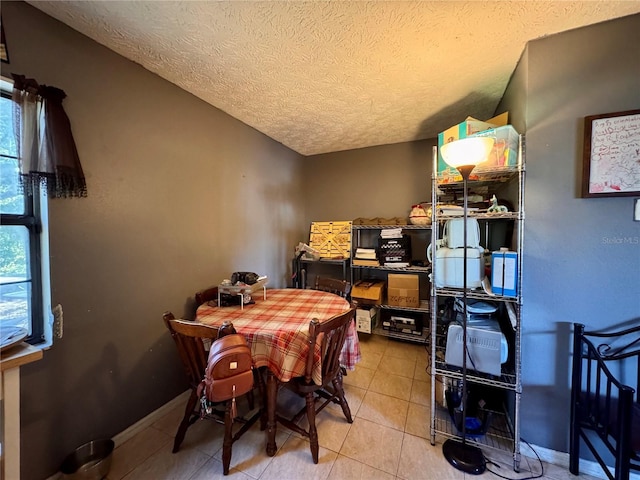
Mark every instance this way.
x=464 y=457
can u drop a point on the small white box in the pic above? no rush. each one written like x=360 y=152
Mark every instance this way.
x=366 y=319
x=487 y=348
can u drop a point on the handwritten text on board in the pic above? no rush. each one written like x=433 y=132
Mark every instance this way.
x=615 y=154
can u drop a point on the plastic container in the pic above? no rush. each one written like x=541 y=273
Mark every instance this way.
x=505 y=148
x=449 y=267
x=453 y=233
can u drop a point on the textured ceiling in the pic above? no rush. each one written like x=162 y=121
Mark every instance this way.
x=324 y=76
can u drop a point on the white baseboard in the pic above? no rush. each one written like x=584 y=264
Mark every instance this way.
x=153 y=417
x=562 y=460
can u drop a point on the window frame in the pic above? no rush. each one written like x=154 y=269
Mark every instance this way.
x=32 y=219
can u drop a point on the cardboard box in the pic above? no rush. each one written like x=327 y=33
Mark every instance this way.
x=505 y=149
x=441 y=387
x=403 y=290
x=368 y=292
x=366 y=319
x=465 y=129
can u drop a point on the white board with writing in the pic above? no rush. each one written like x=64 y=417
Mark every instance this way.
x=613 y=153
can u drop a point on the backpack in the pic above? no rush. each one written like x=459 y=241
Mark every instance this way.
x=229 y=372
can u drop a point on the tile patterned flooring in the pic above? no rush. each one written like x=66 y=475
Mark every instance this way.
x=388 y=394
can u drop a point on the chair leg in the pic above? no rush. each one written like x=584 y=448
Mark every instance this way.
x=228 y=438
x=251 y=399
x=313 y=432
x=186 y=420
x=337 y=385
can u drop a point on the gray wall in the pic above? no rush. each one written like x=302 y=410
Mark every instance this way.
x=370 y=182
x=582 y=256
x=180 y=196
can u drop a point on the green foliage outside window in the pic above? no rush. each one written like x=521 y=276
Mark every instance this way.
x=13 y=260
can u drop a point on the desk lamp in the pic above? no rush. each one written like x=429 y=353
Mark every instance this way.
x=464 y=155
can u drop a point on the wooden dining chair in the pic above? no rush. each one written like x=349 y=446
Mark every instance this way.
x=333 y=285
x=190 y=338
x=206 y=295
x=339 y=287
x=331 y=334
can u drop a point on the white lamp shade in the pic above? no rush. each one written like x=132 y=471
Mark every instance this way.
x=467 y=151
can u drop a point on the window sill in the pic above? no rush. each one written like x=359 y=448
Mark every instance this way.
x=20 y=355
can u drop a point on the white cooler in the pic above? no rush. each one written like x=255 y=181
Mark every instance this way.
x=448 y=271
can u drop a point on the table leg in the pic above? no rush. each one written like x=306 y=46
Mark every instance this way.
x=272 y=391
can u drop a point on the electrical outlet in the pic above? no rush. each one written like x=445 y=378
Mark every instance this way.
x=58 y=321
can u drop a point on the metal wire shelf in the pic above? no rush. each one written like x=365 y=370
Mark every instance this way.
x=381 y=227
x=422 y=338
x=499 y=435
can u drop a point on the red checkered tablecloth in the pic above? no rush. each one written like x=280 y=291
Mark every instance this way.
x=277 y=328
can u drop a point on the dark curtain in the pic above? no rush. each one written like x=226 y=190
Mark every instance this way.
x=48 y=154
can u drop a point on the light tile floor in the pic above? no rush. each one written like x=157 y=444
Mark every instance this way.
x=388 y=394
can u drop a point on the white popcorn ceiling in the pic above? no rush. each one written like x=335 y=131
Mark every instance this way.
x=325 y=76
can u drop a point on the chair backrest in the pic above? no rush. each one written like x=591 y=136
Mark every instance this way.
x=332 y=334
x=206 y=295
x=189 y=337
x=333 y=285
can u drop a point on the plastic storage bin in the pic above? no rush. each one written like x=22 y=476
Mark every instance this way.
x=449 y=267
x=505 y=149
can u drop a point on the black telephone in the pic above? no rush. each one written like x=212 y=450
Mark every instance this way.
x=245 y=277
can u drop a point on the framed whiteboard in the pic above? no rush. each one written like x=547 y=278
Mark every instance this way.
x=611 y=155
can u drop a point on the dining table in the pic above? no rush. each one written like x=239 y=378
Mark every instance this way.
x=276 y=326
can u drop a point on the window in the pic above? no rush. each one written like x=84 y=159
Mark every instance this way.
x=24 y=260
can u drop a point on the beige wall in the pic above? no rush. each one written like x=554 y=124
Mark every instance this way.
x=180 y=196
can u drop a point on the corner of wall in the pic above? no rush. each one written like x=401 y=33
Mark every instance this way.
x=514 y=99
